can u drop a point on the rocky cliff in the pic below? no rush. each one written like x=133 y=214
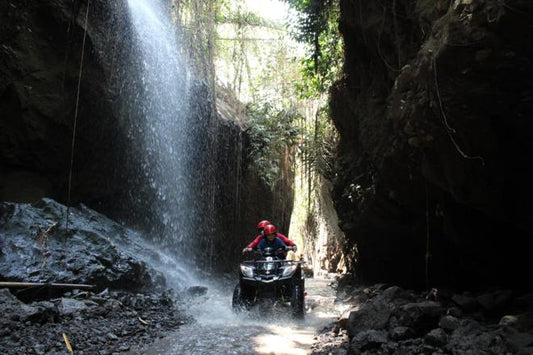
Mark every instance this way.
x=433 y=113
x=40 y=56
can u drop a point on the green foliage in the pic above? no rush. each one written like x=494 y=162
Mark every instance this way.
x=317 y=27
x=257 y=60
x=318 y=145
x=252 y=54
x=244 y=18
x=272 y=131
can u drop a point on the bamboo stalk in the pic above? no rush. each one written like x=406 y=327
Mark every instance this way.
x=52 y=285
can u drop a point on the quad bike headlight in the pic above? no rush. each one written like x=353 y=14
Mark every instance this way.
x=289 y=270
x=247 y=271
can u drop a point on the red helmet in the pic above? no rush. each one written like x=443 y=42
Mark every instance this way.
x=270 y=229
x=262 y=224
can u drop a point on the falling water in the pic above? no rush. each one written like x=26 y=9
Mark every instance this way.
x=162 y=125
x=169 y=127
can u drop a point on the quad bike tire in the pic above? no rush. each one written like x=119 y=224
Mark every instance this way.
x=297 y=301
x=238 y=302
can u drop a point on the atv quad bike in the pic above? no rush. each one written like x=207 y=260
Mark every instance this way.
x=270 y=278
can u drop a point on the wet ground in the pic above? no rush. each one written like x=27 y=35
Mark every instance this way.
x=217 y=330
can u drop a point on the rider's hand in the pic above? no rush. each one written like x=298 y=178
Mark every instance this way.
x=246 y=250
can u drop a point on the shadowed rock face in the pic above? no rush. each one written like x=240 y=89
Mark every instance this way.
x=39 y=69
x=433 y=118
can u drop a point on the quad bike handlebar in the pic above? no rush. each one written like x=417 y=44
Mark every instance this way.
x=256 y=251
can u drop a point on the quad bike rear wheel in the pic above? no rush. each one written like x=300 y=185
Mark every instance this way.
x=297 y=301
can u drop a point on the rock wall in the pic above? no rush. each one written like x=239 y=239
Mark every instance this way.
x=326 y=249
x=432 y=182
x=39 y=68
x=39 y=65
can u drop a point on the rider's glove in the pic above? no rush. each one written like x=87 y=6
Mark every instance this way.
x=246 y=250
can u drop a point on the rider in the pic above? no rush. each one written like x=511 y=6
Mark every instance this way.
x=260 y=226
x=270 y=239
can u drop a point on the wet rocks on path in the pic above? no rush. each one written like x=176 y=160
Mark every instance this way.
x=391 y=320
x=93 y=323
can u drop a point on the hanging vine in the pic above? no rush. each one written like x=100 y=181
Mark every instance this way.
x=195 y=26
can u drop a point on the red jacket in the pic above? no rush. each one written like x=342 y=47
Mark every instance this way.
x=285 y=240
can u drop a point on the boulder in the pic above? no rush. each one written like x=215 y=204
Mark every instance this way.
x=13 y=309
x=454 y=312
x=372 y=315
x=401 y=333
x=509 y=320
x=69 y=306
x=473 y=337
x=494 y=300
x=467 y=303
x=369 y=340
x=420 y=316
x=436 y=337
x=344 y=318
x=524 y=300
x=36 y=248
x=521 y=340
x=449 y=323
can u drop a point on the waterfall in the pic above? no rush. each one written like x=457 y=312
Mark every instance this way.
x=165 y=129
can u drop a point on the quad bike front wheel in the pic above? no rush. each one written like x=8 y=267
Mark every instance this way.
x=238 y=301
